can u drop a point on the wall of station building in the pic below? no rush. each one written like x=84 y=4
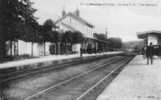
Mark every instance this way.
x=154 y=39
x=84 y=29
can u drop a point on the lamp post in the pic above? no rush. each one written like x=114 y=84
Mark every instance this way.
x=106 y=33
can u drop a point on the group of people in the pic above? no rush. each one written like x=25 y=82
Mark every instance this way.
x=148 y=52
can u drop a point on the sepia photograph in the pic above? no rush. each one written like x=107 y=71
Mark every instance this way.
x=80 y=49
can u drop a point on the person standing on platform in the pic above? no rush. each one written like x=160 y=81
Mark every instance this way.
x=149 y=53
x=143 y=52
x=81 y=52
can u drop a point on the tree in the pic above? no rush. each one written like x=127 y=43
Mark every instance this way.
x=15 y=14
x=67 y=40
x=116 y=43
x=47 y=32
x=48 y=24
x=31 y=33
x=100 y=36
x=104 y=42
x=67 y=37
x=77 y=37
x=55 y=38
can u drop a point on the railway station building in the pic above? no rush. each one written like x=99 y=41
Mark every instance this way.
x=150 y=36
x=72 y=21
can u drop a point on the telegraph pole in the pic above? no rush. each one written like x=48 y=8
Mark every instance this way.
x=106 y=32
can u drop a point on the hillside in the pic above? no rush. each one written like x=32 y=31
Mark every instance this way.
x=133 y=44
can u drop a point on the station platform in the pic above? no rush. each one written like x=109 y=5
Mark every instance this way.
x=137 y=81
x=12 y=64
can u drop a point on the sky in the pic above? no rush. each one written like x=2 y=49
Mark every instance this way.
x=121 y=18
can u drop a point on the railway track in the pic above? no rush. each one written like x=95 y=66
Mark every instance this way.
x=75 y=88
x=93 y=92
x=22 y=73
x=94 y=68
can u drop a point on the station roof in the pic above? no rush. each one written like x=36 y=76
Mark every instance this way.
x=143 y=35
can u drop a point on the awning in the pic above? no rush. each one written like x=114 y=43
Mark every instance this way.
x=143 y=35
